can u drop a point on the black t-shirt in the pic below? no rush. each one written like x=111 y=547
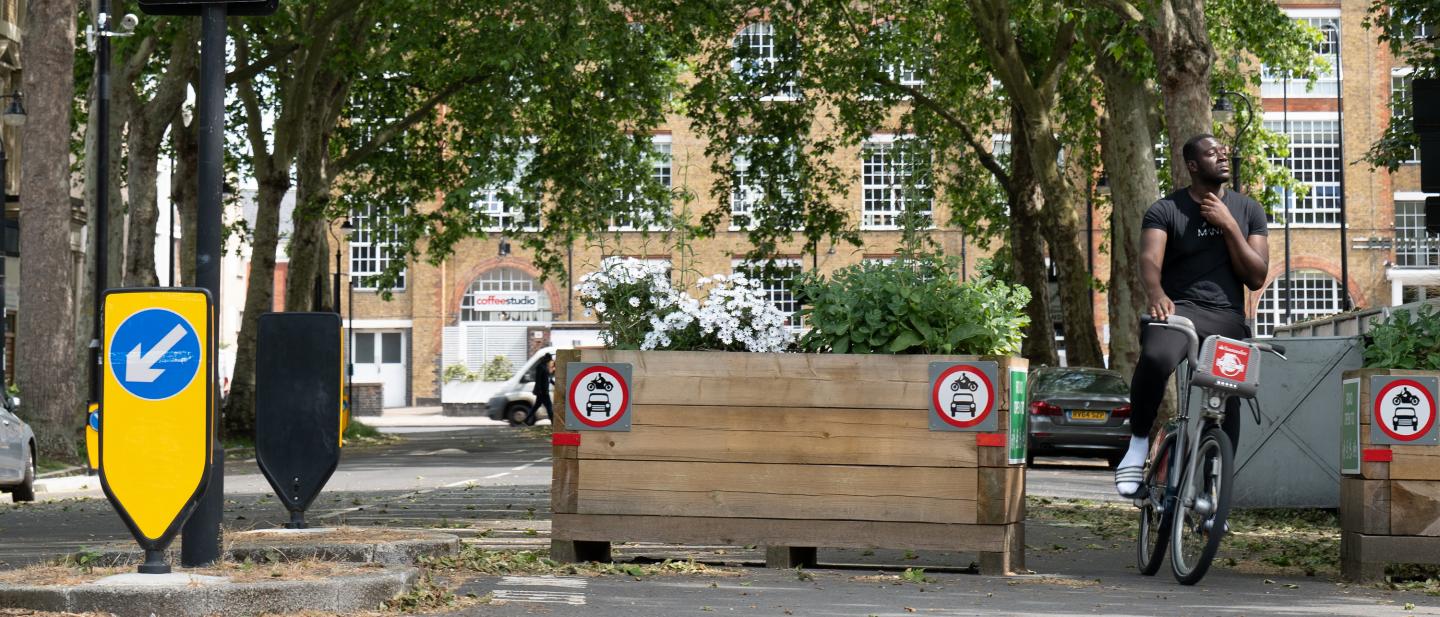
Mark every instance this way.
x=1197 y=265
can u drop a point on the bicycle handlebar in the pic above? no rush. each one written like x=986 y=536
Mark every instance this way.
x=1184 y=325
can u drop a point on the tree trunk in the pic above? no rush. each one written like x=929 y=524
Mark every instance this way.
x=259 y=299
x=1127 y=150
x=183 y=191
x=308 y=240
x=1183 y=56
x=49 y=380
x=1063 y=235
x=116 y=208
x=1028 y=257
x=144 y=162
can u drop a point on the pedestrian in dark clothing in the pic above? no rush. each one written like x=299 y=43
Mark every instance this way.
x=544 y=378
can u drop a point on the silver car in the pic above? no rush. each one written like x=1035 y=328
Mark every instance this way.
x=1079 y=412
x=17 y=452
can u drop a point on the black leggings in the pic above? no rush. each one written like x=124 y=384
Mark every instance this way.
x=540 y=400
x=1162 y=349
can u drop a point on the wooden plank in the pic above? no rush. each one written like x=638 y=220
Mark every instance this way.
x=784 y=380
x=1363 y=557
x=1414 y=508
x=563 y=358
x=571 y=551
x=787 y=532
x=1010 y=560
x=564 y=483
x=1001 y=495
x=1365 y=506
x=1410 y=464
x=1372 y=470
x=782 y=435
x=916 y=494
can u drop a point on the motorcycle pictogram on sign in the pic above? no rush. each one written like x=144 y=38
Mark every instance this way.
x=962 y=396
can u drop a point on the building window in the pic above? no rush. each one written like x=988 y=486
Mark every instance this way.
x=889 y=184
x=505 y=294
x=504 y=205
x=748 y=186
x=1400 y=104
x=1314 y=161
x=1316 y=295
x=1274 y=85
x=904 y=71
x=660 y=174
x=778 y=282
x=757 y=60
x=372 y=247
x=1413 y=246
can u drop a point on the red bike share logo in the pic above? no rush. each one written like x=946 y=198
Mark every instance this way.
x=1231 y=361
x=598 y=397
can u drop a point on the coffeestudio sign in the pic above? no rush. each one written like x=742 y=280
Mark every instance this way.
x=520 y=301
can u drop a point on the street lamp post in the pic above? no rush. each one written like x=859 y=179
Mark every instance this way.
x=1224 y=111
x=14 y=116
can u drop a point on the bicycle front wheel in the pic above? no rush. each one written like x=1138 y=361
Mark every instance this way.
x=1156 y=511
x=1202 y=507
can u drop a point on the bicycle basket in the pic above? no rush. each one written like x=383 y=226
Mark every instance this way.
x=1230 y=366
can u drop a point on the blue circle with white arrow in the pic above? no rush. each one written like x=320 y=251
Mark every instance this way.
x=154 y=354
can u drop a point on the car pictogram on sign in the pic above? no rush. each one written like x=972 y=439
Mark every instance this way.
x=1405 y=416
x=962 y=403
x=598 y=402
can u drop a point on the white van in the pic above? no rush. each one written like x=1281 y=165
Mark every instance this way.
x=512 y=400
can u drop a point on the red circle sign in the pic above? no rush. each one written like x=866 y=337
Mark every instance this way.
x=962 y=390
x=601 y=396
x=1400 y=403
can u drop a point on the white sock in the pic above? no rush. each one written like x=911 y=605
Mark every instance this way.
x=1139 y=449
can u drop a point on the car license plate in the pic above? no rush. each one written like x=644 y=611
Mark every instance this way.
x=1077 y=414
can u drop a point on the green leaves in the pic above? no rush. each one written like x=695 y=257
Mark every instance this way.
x=914 y=304
x=1403 y=342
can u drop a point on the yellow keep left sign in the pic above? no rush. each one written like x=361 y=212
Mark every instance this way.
x=158 y=425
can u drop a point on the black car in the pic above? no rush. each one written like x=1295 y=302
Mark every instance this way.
x=1079 y=412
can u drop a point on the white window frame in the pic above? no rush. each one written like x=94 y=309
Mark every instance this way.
x=883 y=185
x=372 y=248
x=515 y=280
x=1328 y=83
x=1420 y=249
x=1403 y=95
x=744 y=194
x=1318 y=295
x=491 y=204
x=898 y=70
x=1321 y=207
x=661 y=171
x=780 y=294
x=761 y=35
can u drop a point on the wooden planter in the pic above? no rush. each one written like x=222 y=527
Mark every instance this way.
x=1390 y=511
x=789 y=451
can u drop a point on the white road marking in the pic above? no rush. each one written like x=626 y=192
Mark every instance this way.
x=545 y=581
x=497 y=475
x=544 y=597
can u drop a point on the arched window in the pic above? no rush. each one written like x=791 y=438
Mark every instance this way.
x=505 y=294
x=1316 y=295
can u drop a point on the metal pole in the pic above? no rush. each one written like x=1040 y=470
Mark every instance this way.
x=1340 y=156
x=336 y=297
x=201 y=541
x=350 y=352
x=102 y=192
x=4 y=248
x=1289 y=286
x=171 y=173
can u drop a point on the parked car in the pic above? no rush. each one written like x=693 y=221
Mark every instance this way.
x=17 y=452
x=512 y=401
x=1079 y=412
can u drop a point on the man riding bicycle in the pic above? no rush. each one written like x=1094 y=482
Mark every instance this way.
x=1198 y=247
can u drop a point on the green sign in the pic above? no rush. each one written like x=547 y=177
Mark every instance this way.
x=1350 y=426
x=1019 y=433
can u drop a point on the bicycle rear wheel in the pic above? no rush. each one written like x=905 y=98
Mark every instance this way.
x=1202 y=507
x=1156 y=511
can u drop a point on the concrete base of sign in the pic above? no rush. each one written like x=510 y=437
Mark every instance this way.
x=142 y=595
x=396 y=547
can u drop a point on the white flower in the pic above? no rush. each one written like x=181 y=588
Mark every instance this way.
x=635 y=302
x=600 y=307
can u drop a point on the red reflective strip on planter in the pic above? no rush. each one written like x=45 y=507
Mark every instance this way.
x=565 y=439
x=992 y=440
x=1377 y=456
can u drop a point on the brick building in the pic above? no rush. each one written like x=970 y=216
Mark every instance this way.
x=482 y=302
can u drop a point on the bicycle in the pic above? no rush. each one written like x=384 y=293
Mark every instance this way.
x=1184 y=500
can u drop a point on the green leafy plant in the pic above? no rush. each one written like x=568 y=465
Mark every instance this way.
x=498 y=369
x=1403 y=342
x=912 y=305
x=458 y=372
